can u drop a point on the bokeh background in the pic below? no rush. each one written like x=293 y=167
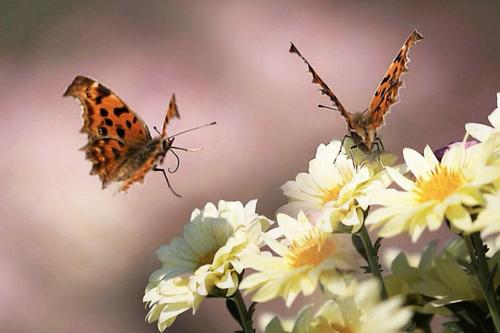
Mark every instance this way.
x=75 y=258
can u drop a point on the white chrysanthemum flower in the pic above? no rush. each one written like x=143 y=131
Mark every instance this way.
x=442 y=189
x=307 y=256
x=482 y=132
x=205 y=258
x=334 y=190
x=489 y=218
x=362 y=312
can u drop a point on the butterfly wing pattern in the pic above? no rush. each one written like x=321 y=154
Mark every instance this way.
x=363 y=126
x=325 y=90
x=119 y=146
x=387 y=92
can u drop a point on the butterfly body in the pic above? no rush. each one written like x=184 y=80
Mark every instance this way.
x=139 y=157
x=360 y=131
x=119 y=146
x=363 y=126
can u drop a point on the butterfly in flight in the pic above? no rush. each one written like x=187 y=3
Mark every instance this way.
x=119 y=145
x=363 y=126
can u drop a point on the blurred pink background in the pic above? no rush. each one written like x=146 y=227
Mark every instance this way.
x=75 y=258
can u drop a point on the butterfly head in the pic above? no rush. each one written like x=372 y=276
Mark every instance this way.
x=166 y=144
x=163 y=142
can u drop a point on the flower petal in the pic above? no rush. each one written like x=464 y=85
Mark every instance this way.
x=417 y=164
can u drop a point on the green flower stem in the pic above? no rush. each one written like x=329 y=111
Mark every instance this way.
x=246 y=319
x=372 y=259
x=480 y=266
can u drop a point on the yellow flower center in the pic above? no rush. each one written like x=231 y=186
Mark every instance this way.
x=312 y=249
x=441 y=183
x=331 y=194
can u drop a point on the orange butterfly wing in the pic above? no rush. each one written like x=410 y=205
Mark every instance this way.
x=172 y=112
x=113 y=129
x=107 y=156
x=105 y=114
x=325 y=90
x=387 y=91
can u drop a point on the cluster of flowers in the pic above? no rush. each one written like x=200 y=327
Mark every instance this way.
x=319 y=240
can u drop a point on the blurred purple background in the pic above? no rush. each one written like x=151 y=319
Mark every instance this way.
x=75 y=258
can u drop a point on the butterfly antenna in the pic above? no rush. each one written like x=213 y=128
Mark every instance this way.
x=327 y=107
x=192 y=129
x=154 y=127
x=178 y=162
x=187 y=149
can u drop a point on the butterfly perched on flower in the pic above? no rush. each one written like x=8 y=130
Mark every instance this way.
x=119 y=146
x=363 y=126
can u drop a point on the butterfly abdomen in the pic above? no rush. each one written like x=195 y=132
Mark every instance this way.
x=135 y=159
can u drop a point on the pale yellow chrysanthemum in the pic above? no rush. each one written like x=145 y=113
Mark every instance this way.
x=334 y=190
x=441 y=189
x=489 y=135
x=361 y=312
x=489 y=218
x=205 y=257
x=305 y=257
x=482 y=132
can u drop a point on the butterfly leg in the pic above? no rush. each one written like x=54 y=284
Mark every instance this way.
x=341 y=146
x=352 y=157
x=168 y=183
x=378 y=143
x=171 y=149
x=380 y=149
x=178 y=162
